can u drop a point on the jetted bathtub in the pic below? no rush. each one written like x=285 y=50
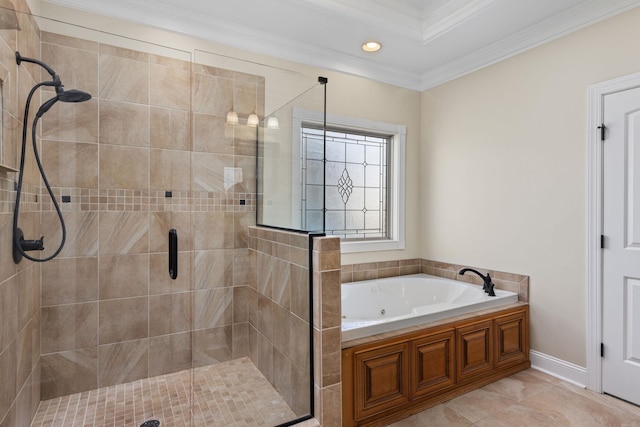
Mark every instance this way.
x=374 y=306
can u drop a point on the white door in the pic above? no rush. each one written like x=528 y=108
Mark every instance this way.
x=621 y=253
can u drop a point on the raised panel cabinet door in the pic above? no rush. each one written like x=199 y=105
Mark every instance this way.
x=382 y=379
x=511 y=339
x=433 y=363
x=474 y=346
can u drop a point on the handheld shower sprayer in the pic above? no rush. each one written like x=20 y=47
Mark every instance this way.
x=20 y=245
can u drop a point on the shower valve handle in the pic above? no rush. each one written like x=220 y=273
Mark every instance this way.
x=32 y=245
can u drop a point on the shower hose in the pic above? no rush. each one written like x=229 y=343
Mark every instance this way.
x=17 y=234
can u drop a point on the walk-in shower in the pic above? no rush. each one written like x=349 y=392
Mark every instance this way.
x=112 y=331
x=20 y=245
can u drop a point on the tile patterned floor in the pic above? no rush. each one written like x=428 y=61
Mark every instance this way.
x=227 y=394
x=245 y=398
x=529 y=398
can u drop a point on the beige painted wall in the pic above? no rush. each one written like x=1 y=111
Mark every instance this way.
x=504 y=171
x=347 y=95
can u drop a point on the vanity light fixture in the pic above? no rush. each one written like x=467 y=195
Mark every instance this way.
x=232 y=118
x=371 y=46
x=253 y=120
x=272 y=123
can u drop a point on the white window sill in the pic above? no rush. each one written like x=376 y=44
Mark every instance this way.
x=370 y=246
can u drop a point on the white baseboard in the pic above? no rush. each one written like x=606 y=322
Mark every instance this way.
x=558 y=368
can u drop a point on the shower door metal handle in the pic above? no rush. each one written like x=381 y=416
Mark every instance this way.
x=173 y=253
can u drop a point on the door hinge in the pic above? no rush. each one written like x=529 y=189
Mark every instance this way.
x=601 y=349
x=602 y=241
x=603 y=129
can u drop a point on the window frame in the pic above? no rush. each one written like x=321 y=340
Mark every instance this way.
x=396 y=173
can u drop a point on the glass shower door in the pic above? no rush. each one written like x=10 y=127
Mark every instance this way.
x=115 y=327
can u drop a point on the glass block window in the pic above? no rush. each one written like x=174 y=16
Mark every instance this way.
x=356 y=182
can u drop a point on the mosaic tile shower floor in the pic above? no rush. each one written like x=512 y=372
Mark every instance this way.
x=232 y=393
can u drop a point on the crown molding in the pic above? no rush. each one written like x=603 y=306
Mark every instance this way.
x=242 y=37
x=555 y=27
x=441 y=26
x=181 y=19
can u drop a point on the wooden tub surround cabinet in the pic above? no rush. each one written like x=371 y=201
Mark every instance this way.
x=397 y=376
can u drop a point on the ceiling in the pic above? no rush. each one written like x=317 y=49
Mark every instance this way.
x=425 y=42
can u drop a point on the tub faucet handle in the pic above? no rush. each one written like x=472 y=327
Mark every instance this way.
x=488 y=284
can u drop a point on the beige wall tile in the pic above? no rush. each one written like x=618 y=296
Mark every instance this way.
x=300 y=390
x=299 y=338
x=170 y=170
x=159 y=280
x=123 y=123
x=72 y=121
x=69 y=280
x=300 y=292
x=169 y=353
x=123 y=167
x=170 y=129
x=123 y=276
x=212 y=94
x=208 y=172
x=169 y=314
x=82 y=233
x=213 y=268
x=212 y=134
x=70 y=164
x=123 y=319
x=213 y=308
x=69 y=327
x=213 y=230
x=8 y=313
x=240 y=340
x=75 y=62
x=265 y=357
x=25 y=353
x=124 y=79
x=281 y=330
x=28 y=296
x=212 y=345
x=162 y=222
x=123 y=362
x=170 y=86
x=124 y=232
x=240 y=304
x=69 y=372
x=265 y=317
x=241 y=266
x=281 y=292
x=8 y=368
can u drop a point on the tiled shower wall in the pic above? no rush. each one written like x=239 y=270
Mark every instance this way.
x=278 y=307
x=19 y=284
x=146 y=154
x=279 y=318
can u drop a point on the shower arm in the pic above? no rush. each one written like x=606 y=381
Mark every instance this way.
x=56 y=79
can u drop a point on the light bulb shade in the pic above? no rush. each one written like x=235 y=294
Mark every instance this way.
x=272 y=123
x=253 y=120
x=232 y=118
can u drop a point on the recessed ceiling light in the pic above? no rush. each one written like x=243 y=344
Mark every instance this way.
x=371 y=46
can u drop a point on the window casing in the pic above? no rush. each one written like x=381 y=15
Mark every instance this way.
x=364 y=180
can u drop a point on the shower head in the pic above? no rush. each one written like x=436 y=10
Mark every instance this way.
x=72 y=95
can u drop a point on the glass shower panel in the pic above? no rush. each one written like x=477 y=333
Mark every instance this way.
x=291 y=163
x=115 y=326
x=238 y=326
